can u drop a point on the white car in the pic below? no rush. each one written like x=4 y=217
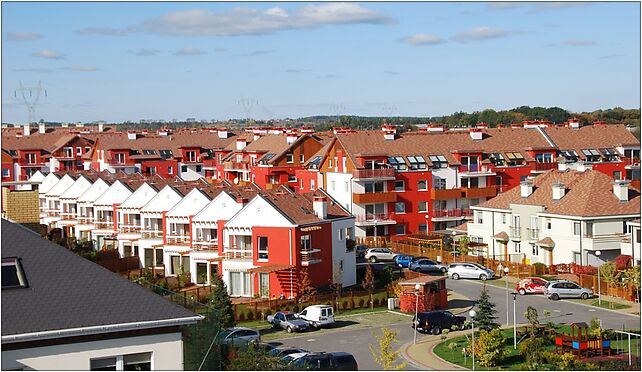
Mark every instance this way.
x=469 y=270
x=318 y=315
x=379 y=254
x=288 y=359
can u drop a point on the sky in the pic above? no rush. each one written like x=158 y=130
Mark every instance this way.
x=119 y=61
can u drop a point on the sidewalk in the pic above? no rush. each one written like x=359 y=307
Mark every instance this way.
x=422 y=356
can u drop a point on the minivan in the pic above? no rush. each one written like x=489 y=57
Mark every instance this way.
x=469 y=270
x=318 y=315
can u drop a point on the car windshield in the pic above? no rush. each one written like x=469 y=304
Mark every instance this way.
x=289 y=317
x=478 y=266
x=225 y=333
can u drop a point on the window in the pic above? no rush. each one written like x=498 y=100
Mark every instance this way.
x=423 y=227
x=330 y=163
x=198 y=168
x=165 y=154
x=549 y=224
x=514 y=158
x=183 y=168
x=191 y=156
x=422 y=185
x=311 y=184
x=31 y=158
x=535 y=249
x=263 y=247
x=479 y=217
x=372 y=187
x=128 y=362
x=617 y=175
x=264 y=285
x=592 y=155
x=79 y=151
x=416 y=162
x=438 y=161
x=576 y=228
x=439 y=183
x=577 y=258
x=400 y=207
x=570 y=155
x=518 y=247
x=349 y=232
x=291 y=178
x=341 y=231
x=397 y=162
x=589 y=229
x=504 y=218
x=5 y=172
x=497 y=159
x=201 y=272
x=289 y=158
x=170 y=170
x=68 y=152
x=544 y=158
x=306 y=245
x=150 y=171
x=12 y=274
x=609 y=154
x=400 y=229
x=301 y=158
x=87 y=148
x=400 y=185
x=423 y=206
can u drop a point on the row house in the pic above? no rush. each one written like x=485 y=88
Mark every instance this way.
x=69 y=211
x=85 y=216
x=53 y=208
x=561 y=216
x=266 y=158
x=631 y=242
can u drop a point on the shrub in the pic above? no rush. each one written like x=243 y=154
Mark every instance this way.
x=344 y=305
x=361 y=302
x=250 y=315
x=532 y=350
x=540 y=268
x=489 y=349
x=241 y=317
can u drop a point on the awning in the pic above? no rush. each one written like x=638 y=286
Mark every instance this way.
x=269 y=268
x=501 y=236
x=547 y=242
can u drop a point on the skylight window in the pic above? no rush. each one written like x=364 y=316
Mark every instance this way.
x=591 y=154
x=569 y=155
x=610 y=154
x=12 y=274
x=149 y=152
x=397 y=162
x=438 y=161
x=416 y=162
x=316 y=161
x=496 y=158
x=267 y=157
x=166 y=154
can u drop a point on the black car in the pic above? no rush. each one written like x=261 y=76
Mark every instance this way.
x=435 y=321
x=282 y=351
x=338 y=361
x=360 y=250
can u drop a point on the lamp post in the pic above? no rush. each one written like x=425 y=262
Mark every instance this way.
x=506 y=270
x=454 y=250
x=514 y=320
x=472 y=314
x=599 y=285
x=417 y=287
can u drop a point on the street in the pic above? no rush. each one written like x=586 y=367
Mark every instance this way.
x=356 y=341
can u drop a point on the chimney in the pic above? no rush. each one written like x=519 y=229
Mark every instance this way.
x=559 y=190
x=476 y=134
x=482 y=125
x=307 y=130
x=621 y=190
x=320 y=206
x=240 y=143
x=222 y=132
x=101 y=127
x=163 y=132
x=256 y=136
x=131 y=134
x=574 y=123
x=291 y=137
x=526 y=188
x=27 y=130
x=41 y=128
x=562 y=164
x=435 y=128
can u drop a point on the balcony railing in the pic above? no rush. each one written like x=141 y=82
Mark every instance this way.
x=515 y=232
x=375 y=197
x=544 y=166
x=117 y=162
x=372 y=217
x=237 y=254
x=480 y=192
x=85 y=219
x=178 y=239
x=104 y=224
x=533 y=234
x=151 y=234
x=474 y=168
x=310 y=256
x=374 y=173
x=205 y=245
x=444 y=194
x=455 y=213
x=631 y=162
x=235 y=165
x=129 y=228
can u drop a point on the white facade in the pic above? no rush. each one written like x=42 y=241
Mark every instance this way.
x=344 y=262
x=340 y=187
x=190 y=172
x=631 y=243
x=129 y=219
x=85 y=205
x=166 y=353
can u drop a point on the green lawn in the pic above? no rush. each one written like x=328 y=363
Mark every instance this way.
x=605 y=304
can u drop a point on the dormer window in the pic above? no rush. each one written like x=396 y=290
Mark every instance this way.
x=569 y=155
x=416 y=162
x=609 y=154
x=438 y=161
x=12 y=274
x=165 y=154
x=497 y=159
x=514 y=158
x=592 y=155
x=149 y=152
x=397 y=162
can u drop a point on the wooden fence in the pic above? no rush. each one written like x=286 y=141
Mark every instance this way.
x=121 y=265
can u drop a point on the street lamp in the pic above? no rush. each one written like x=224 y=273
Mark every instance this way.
x=599 y=285
x=514 y=320
x=506 y=270
x=417 y=287
x=472 y=314
x=454 y=251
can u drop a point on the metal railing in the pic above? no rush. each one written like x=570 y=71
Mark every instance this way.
x=371 y=217
x=515 y=231
x=129 y=228
x=445 y=213
x=473 y=168
x=374 y=173
x=533 y=234
x=177 y=239
x=544 y=166
x=235 y=165
x=237 y=254
x=310 y=255
x=148 y=233
x=104 y=224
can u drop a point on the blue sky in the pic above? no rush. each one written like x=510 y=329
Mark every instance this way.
x=131 y=61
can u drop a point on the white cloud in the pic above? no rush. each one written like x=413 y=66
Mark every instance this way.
x=146 y=52
x=479 y=34
x=580 y=43
x=296 y=71
x=22 y=36
x=248 y=21
x=49 y=54
x=255 y=53
x=78 y=68
x=423 y=39
x=37 y=70
x=188 y=51
x=505 y=5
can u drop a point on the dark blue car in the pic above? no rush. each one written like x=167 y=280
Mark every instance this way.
x=403 y=260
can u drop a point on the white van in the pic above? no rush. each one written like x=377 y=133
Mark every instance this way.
x=318 y=315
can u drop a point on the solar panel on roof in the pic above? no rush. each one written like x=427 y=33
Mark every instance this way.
x=315 y=160
x=267 y=157
x=392 y=160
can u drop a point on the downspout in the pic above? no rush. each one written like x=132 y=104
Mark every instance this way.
x=493 y=232
x=291 y=274
x=164 y=224
x=581 y=255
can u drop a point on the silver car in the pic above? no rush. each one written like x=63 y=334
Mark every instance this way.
x=379 y=254
x=239 y=336
x=566 y=289
x=469 y=270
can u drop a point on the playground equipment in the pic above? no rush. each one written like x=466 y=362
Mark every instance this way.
x=579 y=344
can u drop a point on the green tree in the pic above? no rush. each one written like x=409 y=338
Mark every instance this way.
x=632 y=277
x=462 y=246
x=533 y=318
x=485 y=318
x=368 y=283
x=610 y=274
x=385 y=355
x=252 y=358
x=532 y=350
x=220 y=302
x=307 y=290
x=489 y=347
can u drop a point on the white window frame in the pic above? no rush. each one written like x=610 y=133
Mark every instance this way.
x=425 y=185
x=425 y=207
x=289 y=158
x=404 y=207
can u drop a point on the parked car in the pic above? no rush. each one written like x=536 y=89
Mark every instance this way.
x=426 y=265
x=403 y=260
x=360 y=250
x=419 y=258
x=267 y=346
x=239 y=336
x=379 y=254
x=290 y=358
x=469 y=270
x=318 y=315
x=288 y=321
x=339 y=361
x=437 y=320
x=281 y=351
x=564 y=289
x=531 y=285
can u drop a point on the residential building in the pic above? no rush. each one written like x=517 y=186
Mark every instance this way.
x=101 y=321
x=630 y=245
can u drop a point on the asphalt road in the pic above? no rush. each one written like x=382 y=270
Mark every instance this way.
x=356 y=341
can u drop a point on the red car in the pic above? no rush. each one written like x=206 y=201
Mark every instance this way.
x=531 y=285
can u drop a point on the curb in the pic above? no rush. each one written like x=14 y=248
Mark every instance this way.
x=411 y=361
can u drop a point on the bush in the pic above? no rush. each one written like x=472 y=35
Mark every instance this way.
x=241 y=317
x=250 y=315
x=344 y=305
x=532 y=350
x=540 y=268
x=489 y=348
x=361 y=302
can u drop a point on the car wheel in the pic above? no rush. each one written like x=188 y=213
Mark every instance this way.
x=290 y=329
x=555 y=297
x=483 y=277
x=373 y=259
x=435 y=330
x=584 y=296
x=522 y=291
x=455 y=276
x=443 y=270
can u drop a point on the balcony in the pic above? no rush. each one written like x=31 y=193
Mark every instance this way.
x=444 y=194
x=236 y=166
x=104 y=225
x=129 y=228
x=451 y=214
x=375 y=197
x=85 y=219
x=177 y=240
x=237 y=254
x=631 y=162
x=205 y=245
x=604 y=241
x=480 y=192
x=151 y=234
x=371 y=219
x=474 y=170
x=114 y=162
x=541 y=167
x=310 y=256
x=382 y=173
x=515 y=232
x=533 y=234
